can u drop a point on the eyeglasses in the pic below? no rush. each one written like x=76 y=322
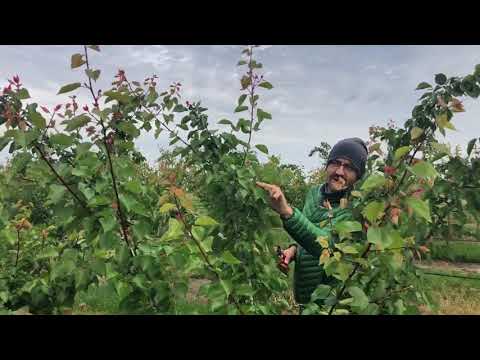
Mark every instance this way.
x=347 y=167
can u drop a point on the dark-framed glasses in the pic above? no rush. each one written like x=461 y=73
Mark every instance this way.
x=346 y=166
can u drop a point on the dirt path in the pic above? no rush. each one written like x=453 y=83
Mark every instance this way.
x=470 y=268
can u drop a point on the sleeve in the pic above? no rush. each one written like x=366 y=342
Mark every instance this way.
x=302 y=230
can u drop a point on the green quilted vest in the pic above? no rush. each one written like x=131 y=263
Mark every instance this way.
x=304 y=227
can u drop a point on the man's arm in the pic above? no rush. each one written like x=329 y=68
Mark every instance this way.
x=298 y=226
x=302 y=230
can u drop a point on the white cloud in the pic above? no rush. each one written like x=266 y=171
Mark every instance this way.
x=321 y=93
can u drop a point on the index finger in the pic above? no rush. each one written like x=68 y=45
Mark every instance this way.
x=264 y=185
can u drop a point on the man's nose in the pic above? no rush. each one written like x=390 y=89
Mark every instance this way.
x=340 y=171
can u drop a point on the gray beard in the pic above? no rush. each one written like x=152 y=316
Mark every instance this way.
x=329 y=191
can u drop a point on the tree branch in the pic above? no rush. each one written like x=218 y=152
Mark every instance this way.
x=82 y=203
x=18 y=247
x=123 y=222
x=252 y=93
x=204 y=254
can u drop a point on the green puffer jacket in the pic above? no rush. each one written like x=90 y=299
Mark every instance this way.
x=304 y=227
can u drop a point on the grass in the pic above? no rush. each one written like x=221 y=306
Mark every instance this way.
x=452 y=296
x=456 y=251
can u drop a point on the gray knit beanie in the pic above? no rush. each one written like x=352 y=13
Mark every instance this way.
x=353 y=149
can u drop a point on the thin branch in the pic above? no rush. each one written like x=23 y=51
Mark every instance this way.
x=342 y=290
x=18 y=247
x=82 y=203
x=252 y=104
x=202 y=251
x=123 y=222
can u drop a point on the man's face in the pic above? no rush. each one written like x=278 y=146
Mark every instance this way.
x=340 y=174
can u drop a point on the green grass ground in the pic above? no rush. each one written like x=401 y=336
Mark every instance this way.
x=451 y=295
x=457 y=251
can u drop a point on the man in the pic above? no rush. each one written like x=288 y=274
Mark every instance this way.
x=345 y=165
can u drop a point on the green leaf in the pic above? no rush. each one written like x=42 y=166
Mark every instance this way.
x=241 y=108
x=346 y=249
x=199 y=233
x=423 y=85
x=321 y=292
x=24 y=138
x=56 y=193
x=108 y=223
x=262 y=148
x=241 y=99
x=424 y=170
x=245 y=81
x=342 y=271
x=152 y=96
x=99 y=200
x=37 y=119
x=227 y=286
x=61 y=139
x=129 y=128
x=77 y=61
x=226 y=122
x=243 y=125
x=266 y=85
x=396 y=240
x=83 y=148
x=206 y=221
x=23 y=94
x=395 y=260
x=399 y=307
x=346 y=227
x=174 y=232
x=4 y=141
x=360 y=300
x=401 y=152
x=49 y=252
x=85 y=190
x=470 y=146
x=77 y=122
x=373 y=182
x=228 y=258
x=241 y=62
x=261 y=115
x=123 y=289
x=141 y=281
x=244 y=290
x=179 y=108
x=419 y=207
x=141 y=228
x=128 y=201
x=108 y=240
x=115 y=95
x=442 y=122
x=93 y=74
x=68 y=88
x=440 y=79
x=379 y=236
x=166 y=208
x=416 y=132
x=62 y=269
x=134 y=186
x=374 y=211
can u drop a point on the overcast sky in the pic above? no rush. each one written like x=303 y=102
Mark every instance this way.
x=321 y=93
